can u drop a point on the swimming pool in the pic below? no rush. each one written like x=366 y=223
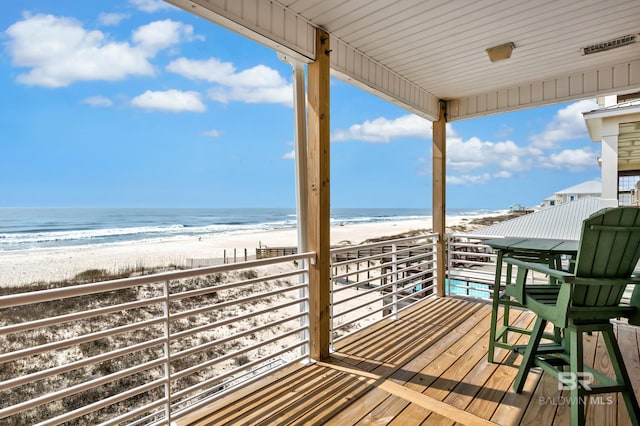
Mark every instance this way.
x=468 y=288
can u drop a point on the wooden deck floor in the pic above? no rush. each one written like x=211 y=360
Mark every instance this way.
x=433 y=359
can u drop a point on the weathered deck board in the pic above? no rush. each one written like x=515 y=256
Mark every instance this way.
x=430 y=360
x=442 y=374
x=432 y=348
x=629 y=346
x=480 y=376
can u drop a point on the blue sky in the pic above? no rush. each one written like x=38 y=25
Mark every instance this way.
x=134 y=103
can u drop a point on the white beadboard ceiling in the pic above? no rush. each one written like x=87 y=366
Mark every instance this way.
x=417 y=52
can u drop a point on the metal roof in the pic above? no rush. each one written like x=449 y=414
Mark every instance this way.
x=561 y=222
x=588 y=187
x=418 y=52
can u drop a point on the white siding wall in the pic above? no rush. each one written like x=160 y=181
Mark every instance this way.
x=619 y=78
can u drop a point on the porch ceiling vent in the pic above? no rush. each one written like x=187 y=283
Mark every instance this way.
x=610 y=44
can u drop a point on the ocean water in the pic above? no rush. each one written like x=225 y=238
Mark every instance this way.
x=34 y=228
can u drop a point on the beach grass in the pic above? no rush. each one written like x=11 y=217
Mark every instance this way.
x=100 y=346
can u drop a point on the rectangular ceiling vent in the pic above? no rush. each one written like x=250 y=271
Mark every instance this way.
x=611 y=44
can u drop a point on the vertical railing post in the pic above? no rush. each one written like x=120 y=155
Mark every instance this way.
x=439 y=154
x=167 y=350
x=437 y=271
x=394 y=280
x=451 y=247
x=304 y=308
x=331 y=305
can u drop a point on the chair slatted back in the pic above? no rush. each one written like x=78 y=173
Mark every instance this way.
x=609 y=250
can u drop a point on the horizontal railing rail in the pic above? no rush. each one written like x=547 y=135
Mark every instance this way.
x=471 y=266
x=149 y=349
x=152 y=349
x=371 y=282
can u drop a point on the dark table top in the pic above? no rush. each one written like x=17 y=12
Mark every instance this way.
x=537 y=245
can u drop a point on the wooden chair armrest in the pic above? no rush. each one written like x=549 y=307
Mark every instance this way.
x=518 y=289
x=542 y=268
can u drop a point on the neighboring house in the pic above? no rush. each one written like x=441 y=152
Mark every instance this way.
x=616 y=125
x=591 y=188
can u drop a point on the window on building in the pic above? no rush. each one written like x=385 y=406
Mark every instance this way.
x=627 y=183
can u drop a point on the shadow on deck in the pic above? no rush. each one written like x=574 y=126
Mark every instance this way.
x=427 y=367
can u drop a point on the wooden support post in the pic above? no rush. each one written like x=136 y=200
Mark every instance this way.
x=319 y=198
x=439 y=194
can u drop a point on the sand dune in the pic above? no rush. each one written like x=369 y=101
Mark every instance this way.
x=23 y=267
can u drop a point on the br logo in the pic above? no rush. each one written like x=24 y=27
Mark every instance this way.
x=570 y=380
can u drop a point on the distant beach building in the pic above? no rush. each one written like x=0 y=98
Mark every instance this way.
x=590 y=188
x=519 y=208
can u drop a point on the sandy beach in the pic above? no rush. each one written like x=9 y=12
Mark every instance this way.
x=23 y=267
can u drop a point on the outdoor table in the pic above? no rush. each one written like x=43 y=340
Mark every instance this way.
x=540 y=250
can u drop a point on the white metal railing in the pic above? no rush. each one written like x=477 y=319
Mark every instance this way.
x=149 y=349
x=374 y=281
x=471 y=266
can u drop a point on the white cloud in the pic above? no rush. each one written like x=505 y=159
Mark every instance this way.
x=111 y=19
x=58 y=51
x=170 y=100
x=504 y=174
x=574 y=160
x=479 y=179
x=261 y=95
x=212 y=133
x=291 y=155
x=475 y=161
x=160 y=35
x=151 y=6
x=259 y=84
x=211 y=70
x=383 y=130
x=568 y=124
x=499 y=159
x=216 y=71
x=98 y=101
x=474 y=153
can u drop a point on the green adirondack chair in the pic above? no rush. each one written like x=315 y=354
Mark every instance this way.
x=585 y=301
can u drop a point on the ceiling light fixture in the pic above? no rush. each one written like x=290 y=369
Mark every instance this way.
x=498 y=53
x=610 y=44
